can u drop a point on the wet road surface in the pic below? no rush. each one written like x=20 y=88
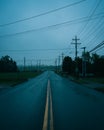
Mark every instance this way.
x=75 y=107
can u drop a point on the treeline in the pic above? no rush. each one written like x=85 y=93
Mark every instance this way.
x=93 y=64
x=7 y=64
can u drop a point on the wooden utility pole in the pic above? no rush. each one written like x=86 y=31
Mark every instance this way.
x=83 y=62
x=31 y=68
x=24 y=64
x=62 y=60
x=39 y=65
x=59 y=63
x=62 y=57
x=76 y=44
x=56 y=64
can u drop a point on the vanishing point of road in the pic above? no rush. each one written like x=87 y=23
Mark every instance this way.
x=50 y=102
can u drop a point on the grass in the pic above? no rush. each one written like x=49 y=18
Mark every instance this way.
x=99 y=80
x=80 y=81
x=96 y=80
x=88 y=82
x=13 y=79
x=100 y=89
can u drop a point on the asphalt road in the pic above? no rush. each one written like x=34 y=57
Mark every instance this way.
x=22 y=108
x=75 y=107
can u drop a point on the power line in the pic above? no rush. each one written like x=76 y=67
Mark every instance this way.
x=94 y=28
x=42 y=14
x=76 y=21
x=96 y=37
x=98 y=28
x=82 y=30
x=100 y=48
x=97 y=47
x=33 y=50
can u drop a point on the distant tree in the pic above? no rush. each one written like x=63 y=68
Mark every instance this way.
x=79 y=64
x=67 y=65
x=7 y=64
x=94 y=64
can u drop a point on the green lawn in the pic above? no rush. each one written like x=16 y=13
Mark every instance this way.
x=16 y=78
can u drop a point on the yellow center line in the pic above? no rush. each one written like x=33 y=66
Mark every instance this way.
x=51 y=112
x=45 y=122
x=48 y=110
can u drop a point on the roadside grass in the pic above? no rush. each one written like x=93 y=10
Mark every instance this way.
x=100 y=89
x=94 y=80
x=89 y=82
x=12 y=79
x=80 y=81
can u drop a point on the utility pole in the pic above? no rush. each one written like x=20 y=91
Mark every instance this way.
x=24 y=64
x=31 y=68
x=62 y=60
x=83 y=62
x=76 y=44
x=59 y=63
x=39 y=65
x=62 y=57
x=56 y=64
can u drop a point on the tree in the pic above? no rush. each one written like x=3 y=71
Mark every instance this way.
x=79 y=64
x=7 y=64
x=67 y=65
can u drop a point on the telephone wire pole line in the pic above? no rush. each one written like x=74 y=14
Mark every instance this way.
x=76 y=45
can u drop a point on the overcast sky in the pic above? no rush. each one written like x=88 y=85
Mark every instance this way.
x=37 y=44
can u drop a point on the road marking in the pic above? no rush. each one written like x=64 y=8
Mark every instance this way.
x=48 y=110
x=51 y=112
x=45 y=122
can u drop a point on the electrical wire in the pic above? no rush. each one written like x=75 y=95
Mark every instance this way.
x=33 y=50
x=42 y=14
x=99 y=48
x=76 y=21
x=96 y=47
x=85 y=26
x=97 y=36
x=93 y=29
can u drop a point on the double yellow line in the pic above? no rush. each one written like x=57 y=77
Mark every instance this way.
x=48 y=116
